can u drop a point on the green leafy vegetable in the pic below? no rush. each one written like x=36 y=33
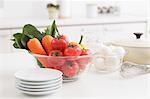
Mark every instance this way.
x=15 y=45
x=24 y=40
x=32 y=32
x=52 y=30
x=47 y=31
x=38 y=62
x=17 y=39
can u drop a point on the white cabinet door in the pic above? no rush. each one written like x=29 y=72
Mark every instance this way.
x=72 y=32
x=118 y=31
x=5 y=42
x=91 y=32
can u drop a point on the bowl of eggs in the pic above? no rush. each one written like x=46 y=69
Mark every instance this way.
x=108 y=58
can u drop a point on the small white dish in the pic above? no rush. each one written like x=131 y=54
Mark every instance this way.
x=39 y=83
x=38 y=74
x=39 y=93
x=39 y=86
x=39 y=89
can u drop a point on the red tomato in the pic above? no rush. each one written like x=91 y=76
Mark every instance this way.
x=55 y=62
x=84 y=61
x=72 y=51
x=55 y=53
x=59 y=44
x=70 y=68
x=85 y=52
x=64 y=37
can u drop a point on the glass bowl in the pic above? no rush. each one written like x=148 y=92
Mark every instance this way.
x=107 y=64
x=70 y=66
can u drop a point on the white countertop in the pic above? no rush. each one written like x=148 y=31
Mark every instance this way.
x=18 y=23
x=90 y=85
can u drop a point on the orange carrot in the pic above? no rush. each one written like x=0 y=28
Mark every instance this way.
x=46 y=42
x=35 y=47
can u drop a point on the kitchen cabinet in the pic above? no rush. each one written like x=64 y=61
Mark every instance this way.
x=5 y=43
x=73 y=32
x=118 y=31
x=104 y=32
x=91 y=32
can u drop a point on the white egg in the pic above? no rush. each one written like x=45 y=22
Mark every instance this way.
x=105 y=51
x=119 y=51
x=112 y=61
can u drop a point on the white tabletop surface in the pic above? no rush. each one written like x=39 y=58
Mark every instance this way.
x=90 y=85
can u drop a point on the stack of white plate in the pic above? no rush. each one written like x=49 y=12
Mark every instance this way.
x=38 y=81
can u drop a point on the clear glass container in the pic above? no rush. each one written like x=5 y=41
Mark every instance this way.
x=70 y=66
x=107 y=64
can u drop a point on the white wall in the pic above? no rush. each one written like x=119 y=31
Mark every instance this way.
x=127 y=7
x=24 y=8
x=135 y=8
x=1 y=7
x=37 y=8
x=1 y=4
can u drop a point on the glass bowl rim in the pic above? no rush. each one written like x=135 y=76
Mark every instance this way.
x=45 y=56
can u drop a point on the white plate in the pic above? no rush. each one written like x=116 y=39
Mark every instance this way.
x=38 y=83
x=38 y=74
x=39 y=86
x=39 y=89
x=40 y=92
